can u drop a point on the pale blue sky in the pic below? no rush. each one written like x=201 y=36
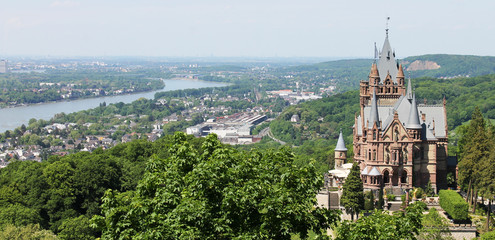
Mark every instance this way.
x=262 y=28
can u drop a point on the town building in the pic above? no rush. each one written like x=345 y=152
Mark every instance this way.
x=4 y=68
x=234 y=129
x=398 y=143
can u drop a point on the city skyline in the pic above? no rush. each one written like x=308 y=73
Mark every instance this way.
x=222 y=28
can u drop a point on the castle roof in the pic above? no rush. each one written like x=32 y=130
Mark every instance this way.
x=374 y=116
x=413 y=120
x=340 y=143
x=386 y=62
x=374 y=172
x=434 y=115
x=409 y=89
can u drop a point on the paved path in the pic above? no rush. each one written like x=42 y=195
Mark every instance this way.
x=268 y=131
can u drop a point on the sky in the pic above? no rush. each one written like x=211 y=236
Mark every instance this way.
x=245 y=28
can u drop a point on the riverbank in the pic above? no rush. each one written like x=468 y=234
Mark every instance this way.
x=21 y=114
x=75 y=99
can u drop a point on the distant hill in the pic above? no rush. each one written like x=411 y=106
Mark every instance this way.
x=449 y=66
x=350 y=71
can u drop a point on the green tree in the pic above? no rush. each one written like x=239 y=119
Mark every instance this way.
x=381 y=202
x=384 y=226
x=352 y=196
x=31 y=232
x=217 y=194
x=435 y=227
x=475 y=147
x=369 y=201
x=77 y=228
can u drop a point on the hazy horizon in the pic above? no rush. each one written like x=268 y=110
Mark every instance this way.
x=244 y=29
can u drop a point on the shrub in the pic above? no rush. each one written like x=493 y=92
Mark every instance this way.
x=390 y=197
x=421 y=205
x=418 y=192
x=488 y=236
x=454 y=204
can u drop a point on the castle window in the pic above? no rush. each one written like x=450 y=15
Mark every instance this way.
x=403 y=178
x=386 y=177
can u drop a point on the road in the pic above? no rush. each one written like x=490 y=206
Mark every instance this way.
x=268 y=132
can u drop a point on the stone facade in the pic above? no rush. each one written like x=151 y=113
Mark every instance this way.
x=398 y=143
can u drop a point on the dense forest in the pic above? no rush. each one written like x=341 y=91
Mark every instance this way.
x=350 y=72
x=62 y=194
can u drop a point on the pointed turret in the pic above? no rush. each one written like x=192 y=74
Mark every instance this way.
x=400 y=76
x=374 y=112
x=409 y=94
x=413 y=121
x=340 y=143
x=387 y=62
x=374 y=71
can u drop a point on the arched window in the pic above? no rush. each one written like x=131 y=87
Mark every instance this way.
x=404 y=178
x=386 y=177
x=369 y=154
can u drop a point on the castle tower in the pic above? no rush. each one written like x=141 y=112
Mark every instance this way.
x=413 y=126
x=340 y=152
x=398 y=143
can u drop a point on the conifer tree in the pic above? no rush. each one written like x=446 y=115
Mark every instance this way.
x=381 y=201
x=352 y=196
x=475 y=147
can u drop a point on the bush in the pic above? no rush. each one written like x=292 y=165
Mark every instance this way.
x=454 y=204
x=390 y=197
x=422 y=205
x=418 y=192
x=488 y=236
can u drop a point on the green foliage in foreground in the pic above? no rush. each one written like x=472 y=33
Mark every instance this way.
x=63 y=193
x=384 y=226
x=31 y=232
x=488 y=236
x=217 y=194
x=453 y=204
x=435 y=227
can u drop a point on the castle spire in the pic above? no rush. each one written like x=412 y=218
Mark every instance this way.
x=400 y=74
x=409 y=94
x=413 y=121
x=374 y=70
x=386 y=62
x=340 y=143
x=374 y=112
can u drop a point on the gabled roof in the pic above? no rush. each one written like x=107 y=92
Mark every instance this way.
x=386 y=62
x=374 y=172
x=365 y=171
x=340 y=143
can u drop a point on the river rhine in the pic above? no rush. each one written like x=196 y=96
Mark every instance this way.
x=16 y=116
